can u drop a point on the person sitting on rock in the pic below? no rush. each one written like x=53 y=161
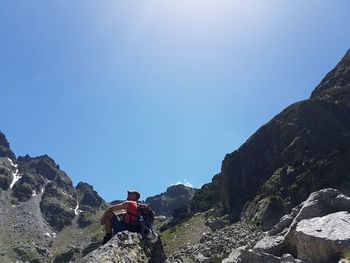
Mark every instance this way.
x=121 y=216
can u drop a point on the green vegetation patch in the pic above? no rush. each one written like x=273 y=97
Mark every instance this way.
x=25 y=254
x=189 y=231
x=346 y=254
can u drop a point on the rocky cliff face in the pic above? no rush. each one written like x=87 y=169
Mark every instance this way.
x=303 y=149
x=42 y=213
x=174 y=197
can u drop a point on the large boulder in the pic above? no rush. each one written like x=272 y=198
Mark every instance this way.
x=323 y=239
x=127 y=247
x=316 y=231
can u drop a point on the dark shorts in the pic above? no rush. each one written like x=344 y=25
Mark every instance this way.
x=117 y=224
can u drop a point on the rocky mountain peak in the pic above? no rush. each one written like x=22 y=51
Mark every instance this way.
x=83 y=186
x=175 y=196
x=3 y=140
x=45 y=167
x=338 y=78
x=88 y=196
x=179 y=189
x=5 y=150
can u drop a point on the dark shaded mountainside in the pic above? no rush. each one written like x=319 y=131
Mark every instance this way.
x=303 y=149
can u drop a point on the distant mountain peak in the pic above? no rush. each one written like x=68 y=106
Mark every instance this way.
x=174 y=197
x=41 y=158
x=84 y=186
x=178 y=189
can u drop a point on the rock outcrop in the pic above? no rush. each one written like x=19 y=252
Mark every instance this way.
x=317 y=231
x=88 y=196
x=89 y=202
x=323 y=239
x=7 y=172
x=5 y=150
x=127 y=247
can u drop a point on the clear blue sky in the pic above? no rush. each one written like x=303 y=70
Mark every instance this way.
x=143 y=94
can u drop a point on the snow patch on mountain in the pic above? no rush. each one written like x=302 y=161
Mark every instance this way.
x=15 y=174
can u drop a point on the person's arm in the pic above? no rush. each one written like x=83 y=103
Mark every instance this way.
x=118 y=206
x=112 y=208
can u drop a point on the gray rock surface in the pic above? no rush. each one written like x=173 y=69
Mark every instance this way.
x=322 y=239
x=250 y=256
x=316 y=231
x=6 y=173
x=5 y=150
x=126 y=247
x=219 y=244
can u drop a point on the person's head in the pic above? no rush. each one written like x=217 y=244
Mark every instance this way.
x=133 y=195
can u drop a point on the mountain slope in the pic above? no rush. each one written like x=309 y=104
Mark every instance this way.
x=301 y=150
x=42 y=213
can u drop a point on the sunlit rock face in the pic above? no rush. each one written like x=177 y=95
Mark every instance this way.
x=127 y=247
x=315 y=231
x=322 y=239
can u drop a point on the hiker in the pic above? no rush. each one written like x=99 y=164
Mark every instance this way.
x=124 y=220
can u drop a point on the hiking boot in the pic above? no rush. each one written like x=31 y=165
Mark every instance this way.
x=106 y=238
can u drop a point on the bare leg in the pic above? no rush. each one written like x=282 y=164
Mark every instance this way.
x=106 y=221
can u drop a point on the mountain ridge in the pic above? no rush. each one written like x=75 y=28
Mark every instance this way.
x=51 y=220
